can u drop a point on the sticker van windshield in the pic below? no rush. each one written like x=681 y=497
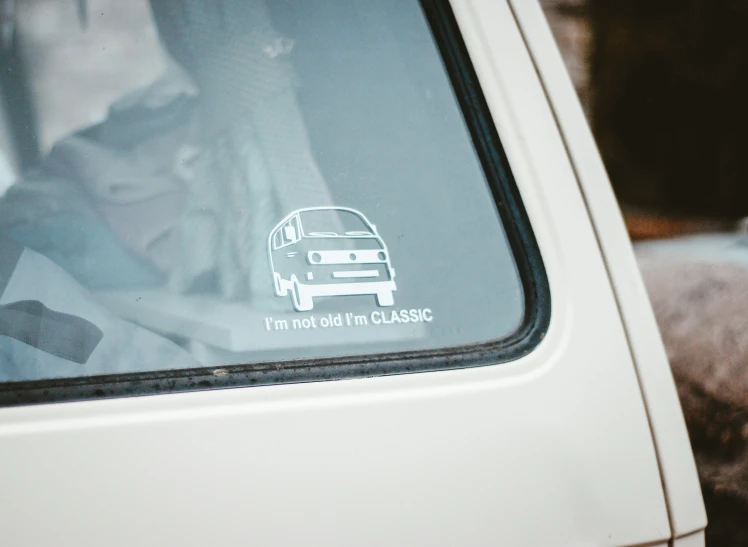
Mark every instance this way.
x=350 y=319
x=329 y=251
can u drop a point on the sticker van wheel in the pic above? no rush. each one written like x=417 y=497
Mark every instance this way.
x=301 y=300
x=279 y=289
x=385 y=298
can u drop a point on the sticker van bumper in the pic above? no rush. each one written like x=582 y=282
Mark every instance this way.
x=346 y=289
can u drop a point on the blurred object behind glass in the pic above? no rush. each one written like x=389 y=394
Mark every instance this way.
x=113 y=50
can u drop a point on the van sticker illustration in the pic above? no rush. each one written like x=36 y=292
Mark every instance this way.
x=329 y=251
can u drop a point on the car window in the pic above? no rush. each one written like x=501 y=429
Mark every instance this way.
x=300 y=181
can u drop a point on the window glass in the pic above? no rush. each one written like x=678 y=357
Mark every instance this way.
x=334 y=223
x=296 y=181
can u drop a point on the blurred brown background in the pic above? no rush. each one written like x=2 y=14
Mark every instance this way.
x=663 y=83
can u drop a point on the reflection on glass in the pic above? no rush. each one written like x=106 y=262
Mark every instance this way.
x=228 y=209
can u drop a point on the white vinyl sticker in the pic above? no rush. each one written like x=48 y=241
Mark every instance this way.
x=329 y=251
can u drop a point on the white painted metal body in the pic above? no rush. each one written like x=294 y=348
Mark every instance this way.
x=581 y=442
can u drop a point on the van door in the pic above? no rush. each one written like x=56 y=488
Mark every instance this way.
x=495 y=403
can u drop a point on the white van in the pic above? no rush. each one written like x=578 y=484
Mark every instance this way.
x=159 y=389
x=329 y=251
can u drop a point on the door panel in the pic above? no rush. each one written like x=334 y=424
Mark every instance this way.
x=550 y=449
